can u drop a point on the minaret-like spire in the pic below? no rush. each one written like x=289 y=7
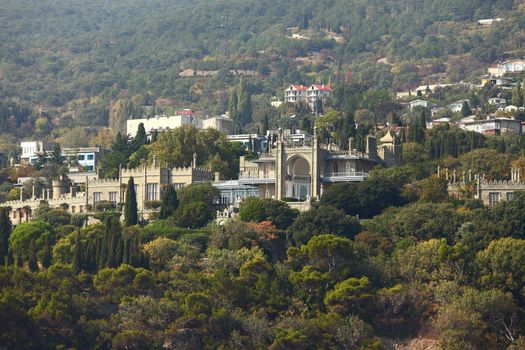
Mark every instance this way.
x=194 y=163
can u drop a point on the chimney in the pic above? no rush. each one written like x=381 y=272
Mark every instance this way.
x=350 y=143
x=217 y=176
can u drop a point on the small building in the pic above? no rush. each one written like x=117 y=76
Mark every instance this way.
x=507 y=67
x=253 y=142
x=497 y=101
x=420 y=103
x=222 y=123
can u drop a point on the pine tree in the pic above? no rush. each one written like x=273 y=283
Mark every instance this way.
x=46 y=256
x=130 y=204
x=169 y=204
x=77 y=255
x=5 y=232
x=32 y=261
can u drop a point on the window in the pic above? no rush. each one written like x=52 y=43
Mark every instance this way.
x=113 y=198
x=73 y=209
x=97 y=196
x=510 y=195
x=80 y=157
x=90 y=157
x=335 y=168
x=80 y=208
x=178 y=186
x=493 y=199
x=90 y=168
x=225 y=199
x=151 y=191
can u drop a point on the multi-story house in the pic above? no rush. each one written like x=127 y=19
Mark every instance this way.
x=308 y=94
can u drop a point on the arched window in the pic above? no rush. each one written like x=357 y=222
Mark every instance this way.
x=335 y=168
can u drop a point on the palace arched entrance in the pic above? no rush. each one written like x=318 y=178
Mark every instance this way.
x=298 y=178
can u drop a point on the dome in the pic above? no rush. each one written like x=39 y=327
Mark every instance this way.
x=388 y=138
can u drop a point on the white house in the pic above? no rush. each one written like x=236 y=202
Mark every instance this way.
x=420 y=103
x=160 y=123
x=310 y=94
x=511 y=66
x=497 y=101
x=496 y=126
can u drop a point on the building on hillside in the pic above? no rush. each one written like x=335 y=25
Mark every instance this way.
x=302 y=170
x=78 y=159
x=492 y=126
x=308 y=94
x=161 y=123
x=420 y=103
x=497 y=101
x=150 y=182
x=82 y=158
x=221 y=123
x=457 y=106
x=253 y=142
x=490 y=192
x=507 y=67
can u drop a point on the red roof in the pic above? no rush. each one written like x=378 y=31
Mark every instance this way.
x=185 y=112
x=322 y=87
x=299 y=87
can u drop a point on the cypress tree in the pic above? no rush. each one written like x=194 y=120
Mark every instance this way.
x=19 y=259
x=465 y=109
x=265 y=125
x=169 y=204
x=232 y=106
x=125 y=253
x=32 y=262
x=77 y=255
x=140 y=138
x=130 y=204
x=5 y=232
x=114 y=252
x=154 y=136
x=46 y=256
x=10 y=260
x=244 y=104
x=98 y=251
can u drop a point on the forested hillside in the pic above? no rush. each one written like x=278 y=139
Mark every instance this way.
x=52 y=52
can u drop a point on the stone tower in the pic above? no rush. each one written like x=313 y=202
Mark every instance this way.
x=390 y=149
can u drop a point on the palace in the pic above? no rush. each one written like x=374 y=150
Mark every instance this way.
x=298 y=170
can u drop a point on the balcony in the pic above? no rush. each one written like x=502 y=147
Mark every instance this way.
x=256 y=180
x=355 y=176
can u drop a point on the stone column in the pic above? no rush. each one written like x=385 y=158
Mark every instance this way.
x=280 y=168
x=315 y=178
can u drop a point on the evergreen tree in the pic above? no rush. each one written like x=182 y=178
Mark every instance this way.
x=125 y=255
x=265 y=125
x=169 y=203
x=232 y=107
x=32 y=261
x=56 y=155
x=46 y=256
x=244 y=105
x=154 y=136
x=19 y=259
x=140 y=138
x=465 y=109
x=130 y=204
x=10 y=260
x=77 y=254
x=517 y=95
x=5 y=232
